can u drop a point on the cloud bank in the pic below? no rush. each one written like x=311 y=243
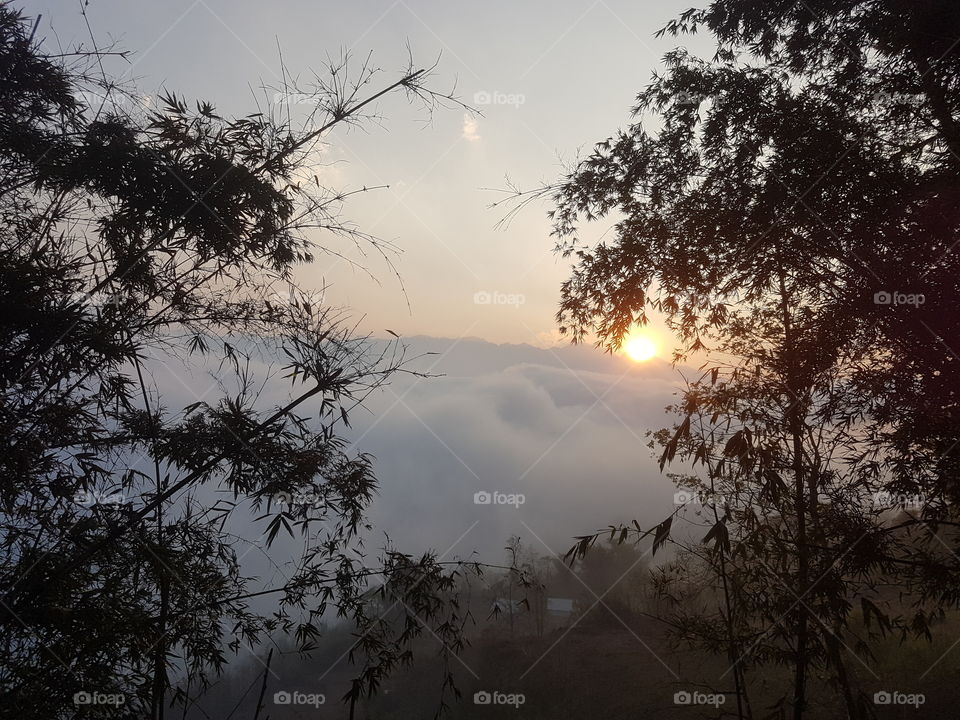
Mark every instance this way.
x=562 y=429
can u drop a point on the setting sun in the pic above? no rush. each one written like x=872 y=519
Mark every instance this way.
x=640 y=348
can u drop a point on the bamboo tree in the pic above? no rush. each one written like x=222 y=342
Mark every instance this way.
x=765 y=200
x=132 y=236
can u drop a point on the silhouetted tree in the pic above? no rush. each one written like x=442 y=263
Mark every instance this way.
x=132 y=237
x=792 y=184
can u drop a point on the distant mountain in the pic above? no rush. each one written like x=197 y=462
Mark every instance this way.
x=471 y=356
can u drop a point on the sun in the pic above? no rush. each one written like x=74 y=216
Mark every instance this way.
x=640 y=348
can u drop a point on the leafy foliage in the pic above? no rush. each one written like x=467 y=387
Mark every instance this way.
x=132 y=241
x=768 y=202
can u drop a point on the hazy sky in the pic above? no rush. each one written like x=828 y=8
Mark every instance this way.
x=564 y=428
x=561 y=76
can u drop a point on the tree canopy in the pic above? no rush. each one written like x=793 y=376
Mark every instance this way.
x=790 y=206
x=134 y=239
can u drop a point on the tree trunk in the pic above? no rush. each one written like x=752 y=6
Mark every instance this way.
x=795 y=421
x=833 y=647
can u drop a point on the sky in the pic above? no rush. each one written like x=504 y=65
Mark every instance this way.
x=550 y=79
x=511 y=409
x=511 y=431
x=497 y=440
x=554 y=440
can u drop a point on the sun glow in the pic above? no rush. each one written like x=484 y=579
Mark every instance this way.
x=640 y=347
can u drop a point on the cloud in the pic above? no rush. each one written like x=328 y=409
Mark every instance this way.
x=564 y=427
x=549 y=339
x=470 y=127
